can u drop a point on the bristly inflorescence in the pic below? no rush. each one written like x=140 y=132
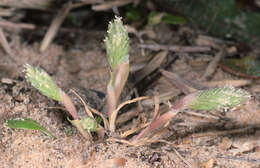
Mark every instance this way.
x=219 y=98
x=117 y=43
x=42 y=82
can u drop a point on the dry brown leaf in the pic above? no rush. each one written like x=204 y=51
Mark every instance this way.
x=163 y=97
x=154 y=64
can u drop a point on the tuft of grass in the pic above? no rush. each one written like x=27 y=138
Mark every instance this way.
x=117 y=47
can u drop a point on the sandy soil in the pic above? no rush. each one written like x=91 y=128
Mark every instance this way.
x=193 y=141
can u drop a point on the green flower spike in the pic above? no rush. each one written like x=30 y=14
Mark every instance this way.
x=117 y=47
x=42 y=82
x=211 y=99
x=217 y=98
x=117 y=43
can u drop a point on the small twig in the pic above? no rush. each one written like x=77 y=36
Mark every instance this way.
x=83 y=102
x=128 y=115
x=140 y=143
x=55 y=25
x=106 y=124
x=181 y=49
x=42 y=4
x=28 y=4
x=6 y=12
x=80 y=4
x=184 y=160
x=163 y=97
x=112 y=4
x=182 y=84
x=8 y=24
x=136 y=67
x=213 y=64
x=139 y=105
x=221 y=133
x=133 y=130
x=58 y=20
x=130 y=102
x=229 y=82
x=5 y=44
x=202 y=115
x=202 y=40
x=217 y=41
x=153 y=77
x=178 y=82
x=58 y=108
x=11 y=25
x=155 y=138
x=151 y=66
x=87 y=108
x=156 y=108
x=121 y=141
x=112 y=118
x=121 y=119
x=225 y=68
x=239 y=158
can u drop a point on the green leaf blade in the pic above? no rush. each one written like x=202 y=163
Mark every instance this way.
x=172 y=19
x=27 y=124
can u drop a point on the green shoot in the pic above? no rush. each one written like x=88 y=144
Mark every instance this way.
x=117 y=48
x=43 y=82
x=211 y=99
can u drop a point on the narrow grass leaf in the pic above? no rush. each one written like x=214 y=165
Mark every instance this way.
x=27 y=124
